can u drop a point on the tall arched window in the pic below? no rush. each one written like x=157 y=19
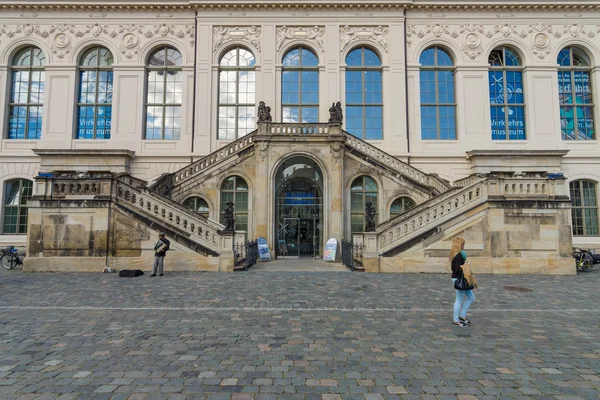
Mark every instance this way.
x=585 y=208
x=438 y=101
x=164 y=94
x=197 y=205
x=363 y=189
x=575 y=95
x=507 y=99
x=94 y=104
x=16 y=194
x=401 y=205
x=27 y=94
x=300 y=86
x=237 y=79
x=364 y=100
x=235 y=189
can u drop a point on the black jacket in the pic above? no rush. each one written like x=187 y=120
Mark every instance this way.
x=456 y=263
x=163 y=252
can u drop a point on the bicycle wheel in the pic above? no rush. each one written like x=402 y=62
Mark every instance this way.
x=8 y=261
x=587 y=265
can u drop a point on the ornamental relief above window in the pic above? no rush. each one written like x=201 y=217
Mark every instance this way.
x=312 y=35
x=129 y=38
x=474 y=38
x=223 y=35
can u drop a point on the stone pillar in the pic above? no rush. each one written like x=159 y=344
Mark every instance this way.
x=227 y=256
x=262 y=196
x=334 y=200
x=370 y=252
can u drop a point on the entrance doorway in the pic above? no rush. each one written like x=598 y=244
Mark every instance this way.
x=298 y=209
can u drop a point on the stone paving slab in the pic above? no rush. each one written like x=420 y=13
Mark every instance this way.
x=285 y=335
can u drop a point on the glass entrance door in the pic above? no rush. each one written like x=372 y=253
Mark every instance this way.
x=288 y=240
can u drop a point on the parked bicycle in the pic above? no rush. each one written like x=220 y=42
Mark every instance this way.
x=584 y=259
x=10 y=257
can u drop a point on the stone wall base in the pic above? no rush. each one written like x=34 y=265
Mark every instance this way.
x=483 y=265
x=174 y=262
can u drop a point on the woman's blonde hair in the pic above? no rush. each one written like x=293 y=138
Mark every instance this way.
x=457 y=244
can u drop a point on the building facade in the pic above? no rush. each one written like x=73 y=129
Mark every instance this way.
x=451 y=89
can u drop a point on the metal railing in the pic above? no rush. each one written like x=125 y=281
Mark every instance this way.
x=347 y=256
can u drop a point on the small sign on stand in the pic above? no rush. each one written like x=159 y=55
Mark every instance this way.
x=330 y=250
x=263 y=250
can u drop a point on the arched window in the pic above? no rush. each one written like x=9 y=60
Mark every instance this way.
x=197 y=205
x=401 y=205
x=27 y=94
x=363 y=189
x=94 y=104
x=364 y=101
x=300 y=86
x=507 y=99
x=235 y=189
x=575 y=95
x=237 y=79
x=164 y=94
x=16 y=194
x=585 y=208
x=438 y=100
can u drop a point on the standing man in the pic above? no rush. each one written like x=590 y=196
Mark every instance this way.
x=160 y=250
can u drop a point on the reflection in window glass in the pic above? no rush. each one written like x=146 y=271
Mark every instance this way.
x=584 y=209
x=94 y=104
x=438 y=102
x=237 y=86
x=164 y=94
x=401 y=205
x=363 y=189
x=300 y=86
x=364 y=94
x=197 y=205
x=235 y=189
x=575 y=95
x=16 y=194
x=507 y=99
x=27 y=94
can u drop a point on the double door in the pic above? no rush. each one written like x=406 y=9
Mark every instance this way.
x=298 y=237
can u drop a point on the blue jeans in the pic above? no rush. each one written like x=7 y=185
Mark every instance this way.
x=464 y=299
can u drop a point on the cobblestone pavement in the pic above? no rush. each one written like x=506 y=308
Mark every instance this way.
x=285 y=336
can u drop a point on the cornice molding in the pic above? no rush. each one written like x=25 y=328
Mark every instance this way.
x=423 y=5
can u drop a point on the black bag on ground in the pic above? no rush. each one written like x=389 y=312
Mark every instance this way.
x=130 y=273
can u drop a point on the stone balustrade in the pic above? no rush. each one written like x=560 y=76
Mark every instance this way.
x=65 y=188
x=205 y=232
x=432 y=215
x=393 y=163
x=437 y=211
x=223 y=154
x=298 y=129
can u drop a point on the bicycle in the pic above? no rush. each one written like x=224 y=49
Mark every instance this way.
x=10 y=257
x=583 y=262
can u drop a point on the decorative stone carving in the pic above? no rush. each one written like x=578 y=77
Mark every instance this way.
x=61 y=40
x=223 y=34
x=314 y=35
x=336 y=150
x=350 y=35
x=229 y=221
x=129 y=40
x=472 y=45
x=263 y=150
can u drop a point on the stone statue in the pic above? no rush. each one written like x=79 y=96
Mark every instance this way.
x=264 y=112
x=261 y=112
x=229 y=221
x=335 y=113
x=339 y=115
x=369 y=217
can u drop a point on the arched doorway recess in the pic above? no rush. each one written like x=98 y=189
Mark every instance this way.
x=298 y=208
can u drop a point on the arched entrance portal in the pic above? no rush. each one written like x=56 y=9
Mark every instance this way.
x=298 y=208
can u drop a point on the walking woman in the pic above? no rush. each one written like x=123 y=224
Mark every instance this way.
x=464 y=298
